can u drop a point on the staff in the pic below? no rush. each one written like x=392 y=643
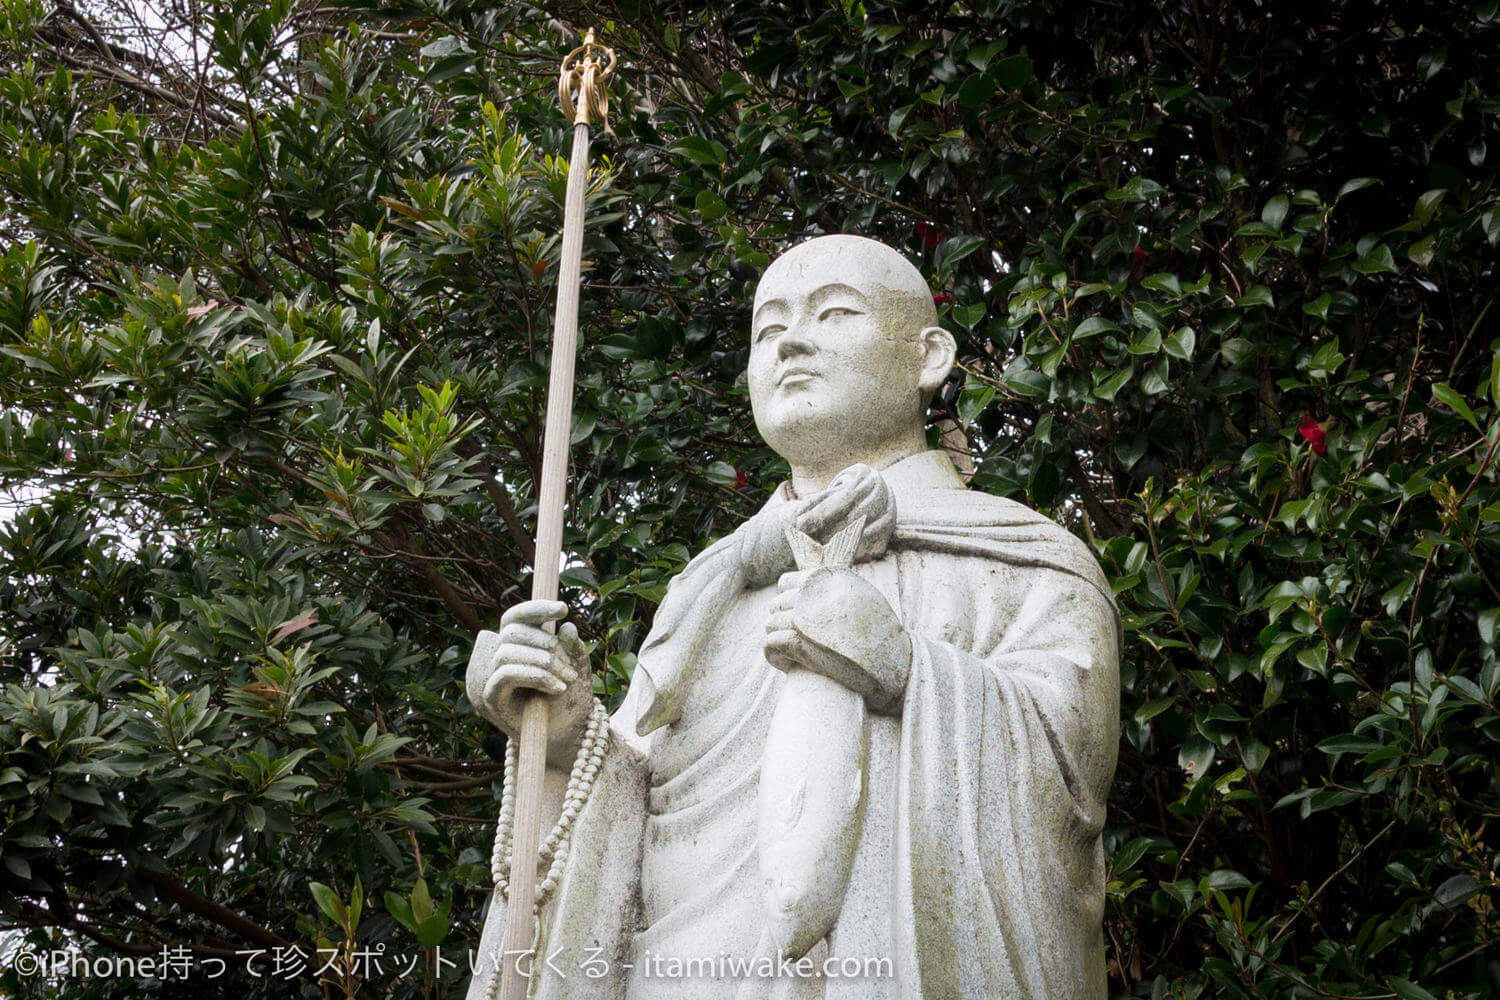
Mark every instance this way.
x=581 y=90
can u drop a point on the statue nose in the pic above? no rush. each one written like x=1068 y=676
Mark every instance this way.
x=792 y=343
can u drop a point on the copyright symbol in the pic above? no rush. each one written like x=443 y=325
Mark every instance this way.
x=27 y=964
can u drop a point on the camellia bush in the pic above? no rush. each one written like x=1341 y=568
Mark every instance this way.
x=276 y=285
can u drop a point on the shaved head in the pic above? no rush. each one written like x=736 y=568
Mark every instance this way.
x=871 y=266
x=845 y=351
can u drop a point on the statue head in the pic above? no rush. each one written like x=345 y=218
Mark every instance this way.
x=845 y=353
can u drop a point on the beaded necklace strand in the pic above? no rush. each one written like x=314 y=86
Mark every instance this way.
x=580 y=784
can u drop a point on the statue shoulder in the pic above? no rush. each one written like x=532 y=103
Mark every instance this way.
x=963 y=507
x=970 y=523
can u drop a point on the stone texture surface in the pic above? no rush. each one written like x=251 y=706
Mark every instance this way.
x=897 y=765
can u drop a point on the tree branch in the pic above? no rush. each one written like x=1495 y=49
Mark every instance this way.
x=125 y=78
x=444 y=588
x=176 y=891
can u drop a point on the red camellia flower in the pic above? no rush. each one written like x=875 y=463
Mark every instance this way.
x=1137 y=258
x=1312 y=432
x=740 y=482
x=930 y=234
x=941 y=300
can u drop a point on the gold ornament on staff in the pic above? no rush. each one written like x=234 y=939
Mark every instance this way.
x=582 y=84
x=581 y=91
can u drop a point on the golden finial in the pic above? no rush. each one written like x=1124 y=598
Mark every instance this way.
x=582 y=85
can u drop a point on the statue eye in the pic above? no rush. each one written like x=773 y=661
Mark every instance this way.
x=769 y=330
x=836 y=312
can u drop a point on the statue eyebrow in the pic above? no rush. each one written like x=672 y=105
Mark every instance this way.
x=834 y=289
x=816 y=299
x=771 y=304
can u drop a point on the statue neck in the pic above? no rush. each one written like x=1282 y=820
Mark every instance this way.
x=811 y=478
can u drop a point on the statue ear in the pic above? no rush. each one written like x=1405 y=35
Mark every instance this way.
x=939 y=352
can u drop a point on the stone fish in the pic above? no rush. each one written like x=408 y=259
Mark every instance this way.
x=812 y=784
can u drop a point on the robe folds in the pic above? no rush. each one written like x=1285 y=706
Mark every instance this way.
x=980 y=869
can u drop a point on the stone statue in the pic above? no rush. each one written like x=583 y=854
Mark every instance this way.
x=867 y=745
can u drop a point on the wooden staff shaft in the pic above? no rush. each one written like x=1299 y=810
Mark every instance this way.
x=532 y=758
x=559 y=428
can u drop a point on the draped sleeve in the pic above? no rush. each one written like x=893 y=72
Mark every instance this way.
x=1005 y=759
x=585 y=928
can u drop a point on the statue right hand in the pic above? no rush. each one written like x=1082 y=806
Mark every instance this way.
x=523 y=660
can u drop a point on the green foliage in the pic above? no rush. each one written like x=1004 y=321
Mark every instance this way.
x=273 y=354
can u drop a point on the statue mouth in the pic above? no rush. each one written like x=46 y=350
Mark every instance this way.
x=793 y=376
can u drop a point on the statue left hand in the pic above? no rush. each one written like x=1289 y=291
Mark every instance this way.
x=858 y=491
x=835 y=623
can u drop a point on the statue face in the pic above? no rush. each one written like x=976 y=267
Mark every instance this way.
x=836 y=359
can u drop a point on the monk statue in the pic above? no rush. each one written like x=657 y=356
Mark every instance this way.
x=867 y=744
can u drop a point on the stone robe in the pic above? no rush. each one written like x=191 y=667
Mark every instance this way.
x=980 y=870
